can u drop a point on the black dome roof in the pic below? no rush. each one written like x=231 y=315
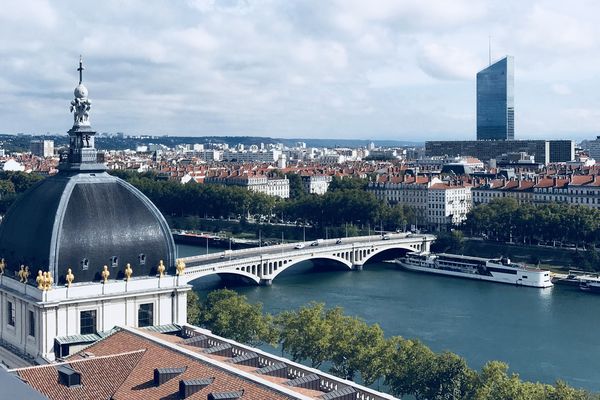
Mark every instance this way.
x=82 y=221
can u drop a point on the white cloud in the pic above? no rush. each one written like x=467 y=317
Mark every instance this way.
x=557 y=31
x=383 y=68
x=561 y=89
x=447 y=62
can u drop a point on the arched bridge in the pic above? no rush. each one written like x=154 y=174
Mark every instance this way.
x=262 y=265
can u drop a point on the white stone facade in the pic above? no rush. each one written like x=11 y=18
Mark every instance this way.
x=279 y=187
x=317 y=184
x=448 y=204
x=31 y=319
x=434 y=202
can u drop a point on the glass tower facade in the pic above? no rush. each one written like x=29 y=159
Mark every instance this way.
x=496 y=101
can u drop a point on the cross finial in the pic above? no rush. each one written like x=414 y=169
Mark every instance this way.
x=80 y=69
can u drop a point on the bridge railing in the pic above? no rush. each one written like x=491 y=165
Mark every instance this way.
x=324 y=243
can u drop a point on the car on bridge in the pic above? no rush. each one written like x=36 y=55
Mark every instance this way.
x=299 y=246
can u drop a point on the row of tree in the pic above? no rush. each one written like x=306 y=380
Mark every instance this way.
x=505 y=219
x=345 y=202
x=13 y=184
x=353 y=349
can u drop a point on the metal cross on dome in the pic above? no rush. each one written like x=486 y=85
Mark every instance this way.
x=80 y=69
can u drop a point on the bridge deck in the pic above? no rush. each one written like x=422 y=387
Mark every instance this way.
x=262 y=264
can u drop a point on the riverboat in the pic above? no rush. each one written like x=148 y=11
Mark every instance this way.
x=590 y=284
x=493 y=270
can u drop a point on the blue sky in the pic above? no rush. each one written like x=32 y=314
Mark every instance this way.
x=377 y=69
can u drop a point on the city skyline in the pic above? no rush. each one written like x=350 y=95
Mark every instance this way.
x=400 y=70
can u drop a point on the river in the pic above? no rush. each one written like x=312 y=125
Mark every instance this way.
x=543 y=334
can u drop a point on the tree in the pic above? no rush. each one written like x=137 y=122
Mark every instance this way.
x=353 y=344
x=306 y=333
x=450 y=378
x=411 y=364
x=562 y=391
x=494 y=383
x=296 y=186
x=229 y=314
x=452 y=242
x=6 y=188
x=193 y=308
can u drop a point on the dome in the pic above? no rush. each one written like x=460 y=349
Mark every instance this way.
x=83 y=221
x=80 y=91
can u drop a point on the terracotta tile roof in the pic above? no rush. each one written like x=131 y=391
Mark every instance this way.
x=101 y=377
x=578 y=180
x=138 y=384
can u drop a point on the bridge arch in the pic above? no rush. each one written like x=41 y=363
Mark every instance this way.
x=404 y=248
x=287 y=266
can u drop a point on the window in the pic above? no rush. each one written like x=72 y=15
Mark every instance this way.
x=142 y=259
x=85 y=264
x=146 y=315
x=31 y=324
x=87 y=322
x=114 y=261
x=10 y=313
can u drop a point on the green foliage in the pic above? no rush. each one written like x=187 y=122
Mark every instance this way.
x=296 y=187
x=503 y=219
x=319 y=335
x=173 y=198
x=21 y=181
x=452 y=242
x=229 y=314
x=306 y=333
x=338 y=184
x=353 y=344
x=193 y=308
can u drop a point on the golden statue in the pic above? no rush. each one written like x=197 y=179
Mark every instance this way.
x=105 y=274
x=161 y=269
x=180 y=266
x=128 y=272
x=40 y=280
x=48 y=280
x=69 y=277
x=23 y=273
x=2 y=266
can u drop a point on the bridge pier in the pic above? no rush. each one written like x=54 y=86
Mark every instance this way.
x=265 y=282
x=357 y=267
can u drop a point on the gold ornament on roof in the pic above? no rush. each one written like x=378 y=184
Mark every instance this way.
x=69 y=277
x=40 y=280
x=180 y=267
x=23 y=273
x=128 y=272
x=105 y=274
x=161 y=269
x=48 y=280
x=2 y=266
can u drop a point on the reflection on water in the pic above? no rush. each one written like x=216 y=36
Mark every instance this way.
x=544 y=334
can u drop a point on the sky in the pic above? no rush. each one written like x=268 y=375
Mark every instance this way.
x=356 y=69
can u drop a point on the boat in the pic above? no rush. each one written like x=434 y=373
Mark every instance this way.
x=590 y=284
x=500 y=270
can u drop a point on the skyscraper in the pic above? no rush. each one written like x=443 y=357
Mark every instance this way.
x=495 y=101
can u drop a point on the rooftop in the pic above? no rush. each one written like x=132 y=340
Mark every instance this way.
x=125 y=365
